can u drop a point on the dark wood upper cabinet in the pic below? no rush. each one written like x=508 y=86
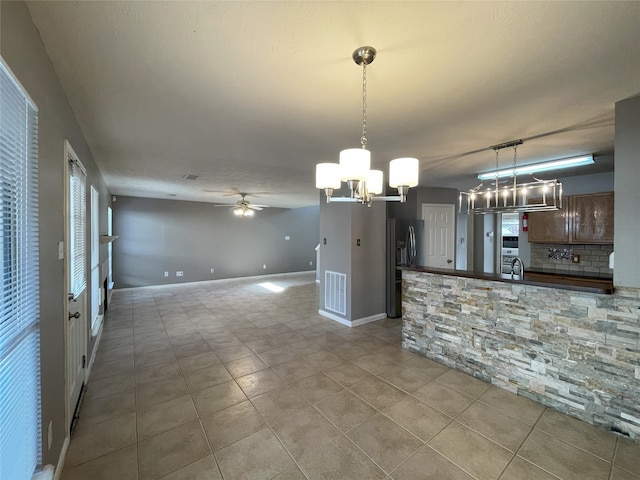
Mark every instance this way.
x=586 y=219
x=592 y=218
x=550 y=227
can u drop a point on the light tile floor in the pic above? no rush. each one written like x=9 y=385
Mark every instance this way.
x=230 y=380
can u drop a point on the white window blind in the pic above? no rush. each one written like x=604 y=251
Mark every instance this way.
x=78 y=234
x=20 y=450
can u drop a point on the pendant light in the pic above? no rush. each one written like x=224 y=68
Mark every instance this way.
x=354 y=167
x=511 y=196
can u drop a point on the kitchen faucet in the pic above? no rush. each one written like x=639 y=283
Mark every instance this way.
x=513 y=265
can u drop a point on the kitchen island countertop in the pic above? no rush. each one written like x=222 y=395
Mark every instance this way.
x=539 y=278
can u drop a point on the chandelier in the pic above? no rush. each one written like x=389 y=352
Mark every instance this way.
x=365 y=185
x=511 y=196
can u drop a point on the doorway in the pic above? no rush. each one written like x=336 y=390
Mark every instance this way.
x=75 y=315
x=439 y=234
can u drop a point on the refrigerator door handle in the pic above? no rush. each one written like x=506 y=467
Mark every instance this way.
x=411 y=245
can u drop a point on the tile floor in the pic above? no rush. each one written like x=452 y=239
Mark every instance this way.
x=230 y=380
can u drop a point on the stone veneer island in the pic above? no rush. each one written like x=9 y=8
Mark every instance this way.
x=569 y=348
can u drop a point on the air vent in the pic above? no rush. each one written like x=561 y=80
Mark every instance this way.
x=191 y=177
x=335 y=292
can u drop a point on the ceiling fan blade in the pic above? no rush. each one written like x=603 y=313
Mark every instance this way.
x=254 y=207
x=224 y=205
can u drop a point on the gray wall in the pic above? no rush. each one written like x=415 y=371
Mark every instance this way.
x=626 y=272
x=23 y=51
x=157 y=236
x=342 y=225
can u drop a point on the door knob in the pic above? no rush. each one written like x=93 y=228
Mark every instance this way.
x=449 y=260
x=74 y=315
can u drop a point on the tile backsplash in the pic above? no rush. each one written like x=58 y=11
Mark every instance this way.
x=594 y=259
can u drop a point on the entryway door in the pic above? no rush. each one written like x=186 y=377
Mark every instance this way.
x=75 y=278
x=439 y=235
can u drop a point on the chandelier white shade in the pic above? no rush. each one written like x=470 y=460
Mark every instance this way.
x=375 y=182
x=354 y=165
x=403 y=172
x=328 y=176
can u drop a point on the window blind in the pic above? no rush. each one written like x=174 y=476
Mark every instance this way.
x=20 y=425
x=78 y=234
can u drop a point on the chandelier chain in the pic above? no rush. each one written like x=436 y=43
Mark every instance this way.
x=515 y=156
x=363 y=139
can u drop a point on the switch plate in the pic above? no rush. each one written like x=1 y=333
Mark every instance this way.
x=60 y=250
x=575 y=258
x=287 y=237
x=166 y=274
x=477 y=342
x=50 y=435
x=179 y=273
x=212 y=269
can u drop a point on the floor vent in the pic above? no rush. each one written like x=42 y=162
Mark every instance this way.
x=335 y=292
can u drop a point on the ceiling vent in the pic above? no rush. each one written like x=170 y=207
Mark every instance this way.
x=191 y=177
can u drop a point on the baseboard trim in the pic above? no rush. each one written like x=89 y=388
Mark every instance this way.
x=230 y=279
x=61 y=458
x=353 y=323
x=98 y=337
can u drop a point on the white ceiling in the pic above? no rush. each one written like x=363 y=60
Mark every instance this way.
x=251 y=95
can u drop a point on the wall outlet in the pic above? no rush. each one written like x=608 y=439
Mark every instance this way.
x=575 y=258
x=50 y=435
x=637 y=372
x=166 y=274
x=212 y=269
x=179 y=273
x=477 y=342
x=264 y=267
x=311 y=263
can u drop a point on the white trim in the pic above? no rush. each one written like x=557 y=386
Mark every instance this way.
x=218 y=280
x=369 y=319
x=98 y=337
x=353 y=323
x=15 y=80
x=61 y=458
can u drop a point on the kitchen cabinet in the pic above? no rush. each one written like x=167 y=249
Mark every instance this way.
x=550 y=227
x=584 y=219
x=592 y=218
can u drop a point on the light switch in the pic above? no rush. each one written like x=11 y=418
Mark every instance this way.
x=60 y=250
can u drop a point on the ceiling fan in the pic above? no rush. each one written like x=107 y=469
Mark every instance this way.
x=243 y=208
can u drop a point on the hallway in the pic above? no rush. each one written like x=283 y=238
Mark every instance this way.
x=242 y=379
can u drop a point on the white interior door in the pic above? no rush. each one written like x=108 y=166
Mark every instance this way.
x=439 y=233
x=76 y=278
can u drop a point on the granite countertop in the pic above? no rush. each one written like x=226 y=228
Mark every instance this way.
x=535 y=277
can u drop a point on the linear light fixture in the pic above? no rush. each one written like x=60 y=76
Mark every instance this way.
x=538 y=167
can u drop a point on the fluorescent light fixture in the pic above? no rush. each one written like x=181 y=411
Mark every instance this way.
x=539 y=167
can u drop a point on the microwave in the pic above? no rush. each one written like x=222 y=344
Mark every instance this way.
x=509 y=242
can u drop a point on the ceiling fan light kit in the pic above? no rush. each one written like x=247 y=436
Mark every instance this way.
x=243 y=208
x=512 y=196
x=354 y=167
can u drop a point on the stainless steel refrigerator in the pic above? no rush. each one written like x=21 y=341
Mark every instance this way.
x=405 y=247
